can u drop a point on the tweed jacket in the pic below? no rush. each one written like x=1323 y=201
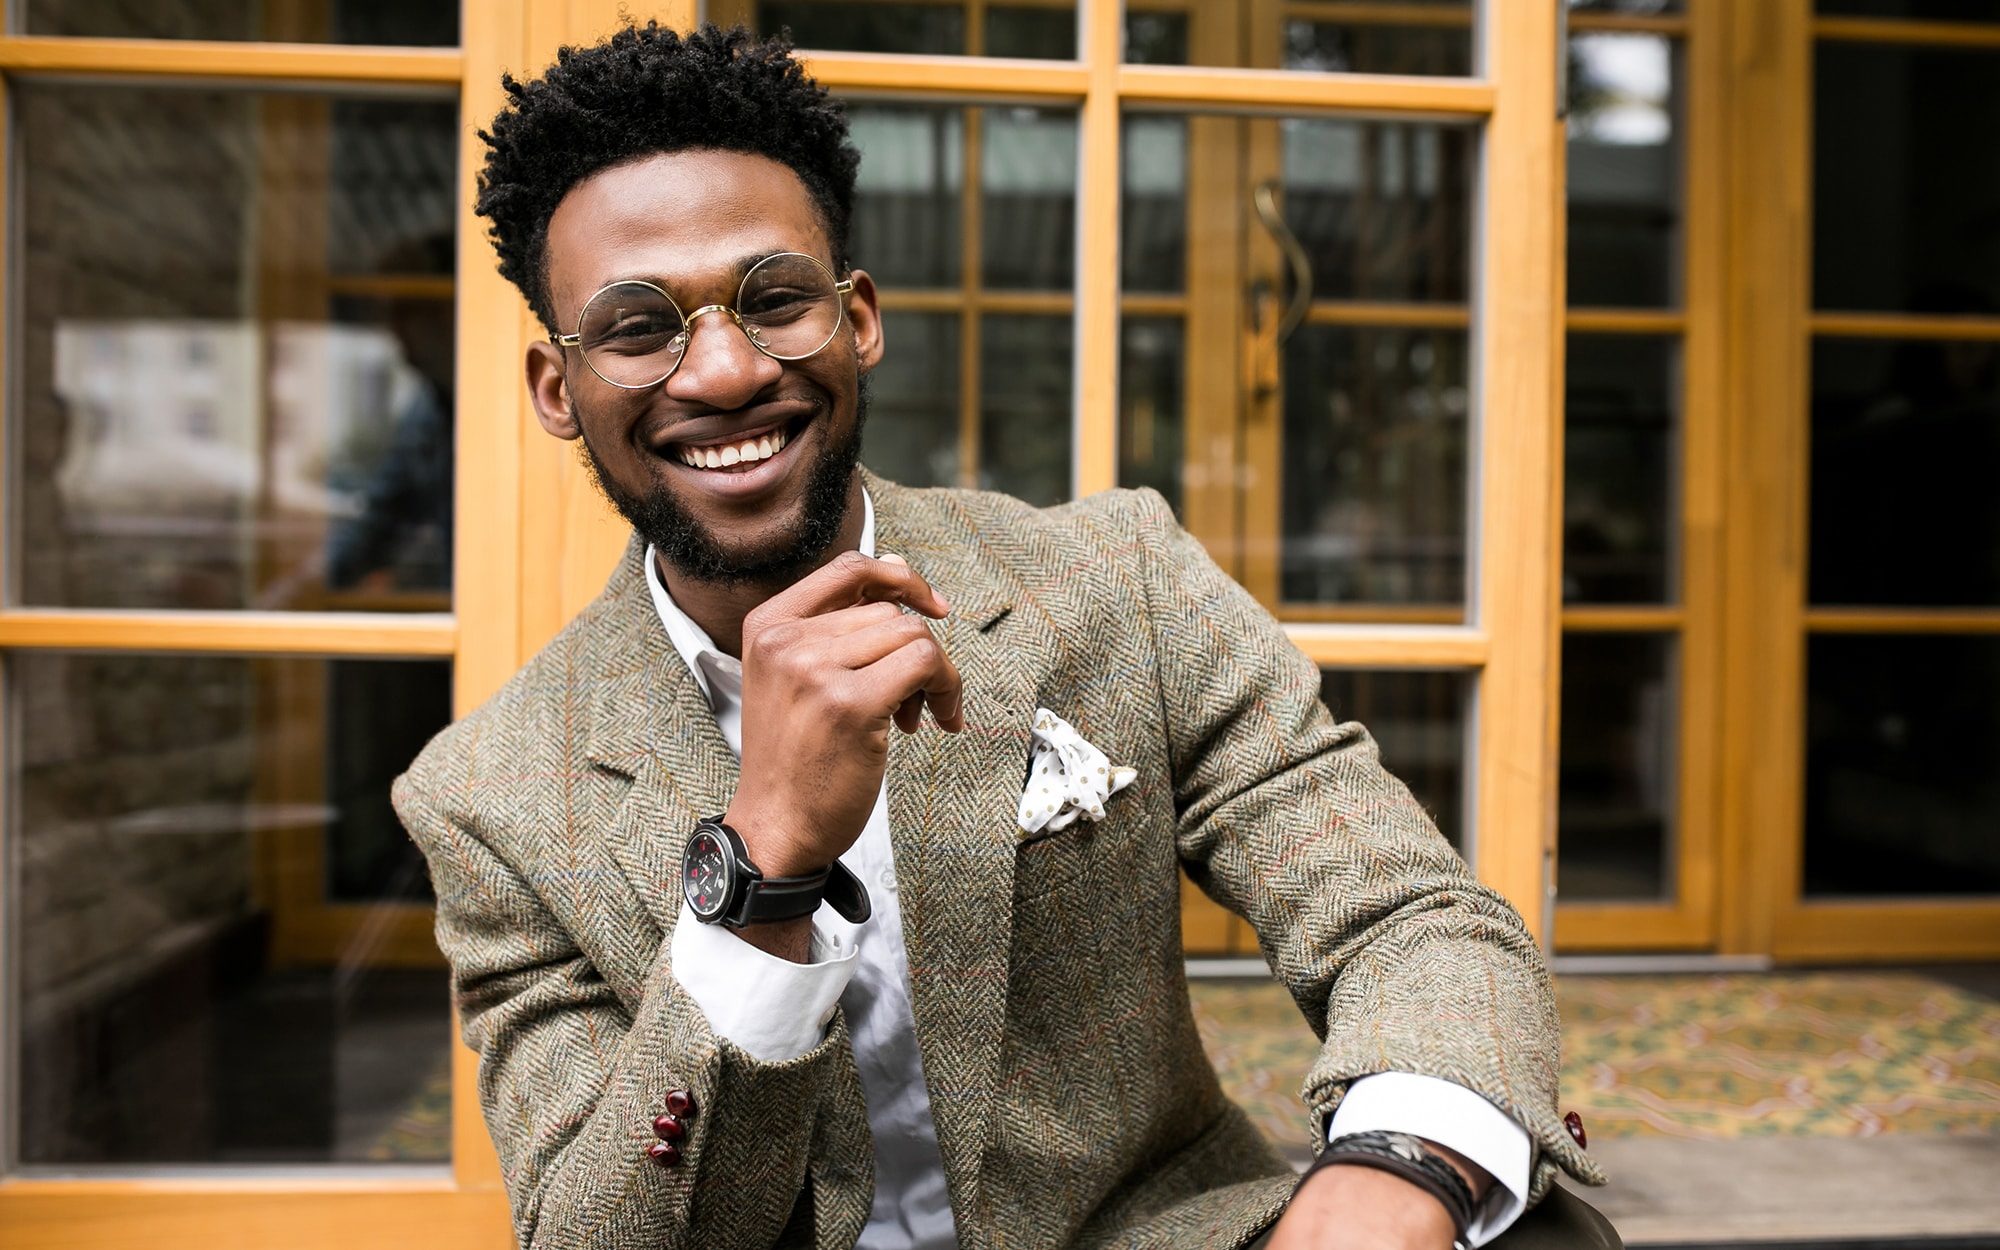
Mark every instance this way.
x=1073 y=1101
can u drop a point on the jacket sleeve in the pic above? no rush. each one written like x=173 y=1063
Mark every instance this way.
x=1399 y=958
x=570 y=1078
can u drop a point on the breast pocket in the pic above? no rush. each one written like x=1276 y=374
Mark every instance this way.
x=1052 y=861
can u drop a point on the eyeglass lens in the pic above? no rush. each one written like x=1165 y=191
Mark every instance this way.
x=633 y=335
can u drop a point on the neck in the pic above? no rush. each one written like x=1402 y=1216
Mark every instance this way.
x=719 y=607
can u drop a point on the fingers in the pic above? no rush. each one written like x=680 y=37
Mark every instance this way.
x=922 y=667
x=852 y=578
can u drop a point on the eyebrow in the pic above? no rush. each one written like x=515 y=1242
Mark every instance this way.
x=737 y=269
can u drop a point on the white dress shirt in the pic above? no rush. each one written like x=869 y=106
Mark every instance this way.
x=777 y=1010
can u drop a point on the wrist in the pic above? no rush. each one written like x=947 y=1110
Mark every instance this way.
x=768 y=837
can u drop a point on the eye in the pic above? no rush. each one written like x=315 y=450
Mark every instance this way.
x=777 y=303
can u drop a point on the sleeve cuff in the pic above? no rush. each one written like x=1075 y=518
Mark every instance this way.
x=1453 y=1116
x=771 y=1008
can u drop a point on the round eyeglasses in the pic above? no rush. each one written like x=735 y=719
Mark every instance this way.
x=633 y=335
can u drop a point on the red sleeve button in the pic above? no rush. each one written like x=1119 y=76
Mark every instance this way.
x=1574 y=1123
x=669 y=1127
x=680 y=1102
x=664 y=1153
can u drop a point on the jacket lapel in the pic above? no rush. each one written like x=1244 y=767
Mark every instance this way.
x=953 y=800
x=650 y=722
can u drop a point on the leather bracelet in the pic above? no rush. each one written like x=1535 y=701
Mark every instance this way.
x=1404 y=1155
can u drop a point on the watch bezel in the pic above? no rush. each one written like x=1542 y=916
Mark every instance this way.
x=731 y=877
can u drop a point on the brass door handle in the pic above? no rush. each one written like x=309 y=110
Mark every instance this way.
x=1264 y=199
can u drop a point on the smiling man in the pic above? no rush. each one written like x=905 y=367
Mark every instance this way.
x=819 y=884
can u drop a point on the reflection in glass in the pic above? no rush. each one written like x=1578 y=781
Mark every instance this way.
x=1366 y=48
x=1902 y=795
x=1418 y=719
x=1397 y=37
x=235 y=349
x=1615 y=807
x=1905 y=457
x=1374 y=465
x=1152 y=204
x=1383 y=209
x=1025 y=381
x=432 y=23
x=1624 y=170
x=1150 y=412
x=1621 y=455
x=912 y=433
x=213 y=964
x=1042 y=31
x=1027 y=165
x=909 y=192
x=1902 y=219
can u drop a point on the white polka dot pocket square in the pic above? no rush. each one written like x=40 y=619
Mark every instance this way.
x=1068 y=778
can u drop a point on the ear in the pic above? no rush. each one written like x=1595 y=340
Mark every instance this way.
x=548 y=387
x=864 y=313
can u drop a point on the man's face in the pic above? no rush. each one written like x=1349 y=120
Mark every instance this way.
x=693 y=223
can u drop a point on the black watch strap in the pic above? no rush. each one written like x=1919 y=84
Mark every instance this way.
x=1404 y=1155
x=769 y=899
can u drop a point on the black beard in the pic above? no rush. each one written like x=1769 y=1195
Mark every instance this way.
x=695 y=553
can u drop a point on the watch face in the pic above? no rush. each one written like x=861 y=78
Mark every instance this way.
x=706 y=868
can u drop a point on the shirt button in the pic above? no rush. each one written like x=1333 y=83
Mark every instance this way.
x=887 y=879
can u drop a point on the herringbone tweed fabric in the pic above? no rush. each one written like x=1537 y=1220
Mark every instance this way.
x=1074 y=1105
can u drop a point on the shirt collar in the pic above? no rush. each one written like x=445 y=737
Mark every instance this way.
x=697 y=650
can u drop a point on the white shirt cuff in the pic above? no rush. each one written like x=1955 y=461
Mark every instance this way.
x=1452 y=1116
x=771 y=1007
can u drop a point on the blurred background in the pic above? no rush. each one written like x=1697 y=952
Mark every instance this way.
x=1606 y=393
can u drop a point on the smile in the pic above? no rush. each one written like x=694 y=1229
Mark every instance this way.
x=732 y=455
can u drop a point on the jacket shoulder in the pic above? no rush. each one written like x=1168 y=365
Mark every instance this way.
x=530 y=725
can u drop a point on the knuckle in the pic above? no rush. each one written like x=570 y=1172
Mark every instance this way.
x=852 y=562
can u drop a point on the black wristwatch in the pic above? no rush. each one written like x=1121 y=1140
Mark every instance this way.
x=722 y=886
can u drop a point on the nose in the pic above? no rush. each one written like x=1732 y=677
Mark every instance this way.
x=720 y=368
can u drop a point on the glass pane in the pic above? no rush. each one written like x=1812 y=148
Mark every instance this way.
x=235 y=347
x=1043 y=31
x=1395 y=37
x=431 y=23
x=1374 y=467
x=1626 y=100
x=1902 y=219
x=1152 y=207
x=1419 y=720
x=912 y=396
x=1028 y=199
x=211 y=964
x=1621 y=509
x=1024 y=425
x=1150 y=408
x=1902 y=796
x=1925 y=10
x=1384 y=210
x=1615 y=807
x=1905 y=455
x=909 y=194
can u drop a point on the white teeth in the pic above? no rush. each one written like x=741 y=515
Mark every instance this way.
x=748 y=452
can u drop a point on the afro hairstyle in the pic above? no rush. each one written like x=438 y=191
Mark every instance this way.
x=647 y=90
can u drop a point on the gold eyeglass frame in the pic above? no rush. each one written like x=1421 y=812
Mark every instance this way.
x=841 y=289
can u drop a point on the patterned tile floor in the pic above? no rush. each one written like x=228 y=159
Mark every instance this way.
x=1700 y=1057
